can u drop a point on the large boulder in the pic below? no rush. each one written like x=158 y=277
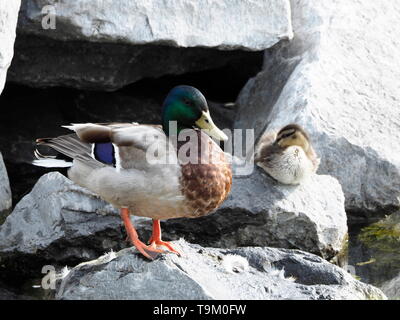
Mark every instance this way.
x=237 y=24
x=5 y=192
x=208 y=273
x=126 y=39
x=338 y=79
x=262 y=212
x=8 y=22
x=59 y=222
x=392 y=288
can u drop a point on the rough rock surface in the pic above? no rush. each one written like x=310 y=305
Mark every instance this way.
x=5 y=192
x=262 y=212
x=236 y=24
x=337 y=78
x=207 y=273
x=392 y=288
x=58 y=221
x=126 y=39
x=8 y=22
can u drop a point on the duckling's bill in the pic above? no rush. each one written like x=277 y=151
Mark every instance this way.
x=207 y=124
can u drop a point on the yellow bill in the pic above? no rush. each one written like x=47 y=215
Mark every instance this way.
x=207 y=124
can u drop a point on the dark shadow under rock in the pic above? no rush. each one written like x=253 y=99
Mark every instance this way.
x=44 y=62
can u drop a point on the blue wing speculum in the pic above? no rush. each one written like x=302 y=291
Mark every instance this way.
x=104 y=152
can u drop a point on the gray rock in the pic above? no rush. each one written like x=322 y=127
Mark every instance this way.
x=126 y=39
x=5 y=192
x=8 y=22
x=208 y=273
x=392 y=288
x=337 y=78
x=236 y=24
x=262 y=212
x=58 y=221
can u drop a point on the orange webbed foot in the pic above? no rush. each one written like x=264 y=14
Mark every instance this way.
x=155 y=239
x=148 y=251
x=155 y=243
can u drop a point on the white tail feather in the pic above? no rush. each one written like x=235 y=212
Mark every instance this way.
x=52 y=163
x=49 y=161
x=79 y=126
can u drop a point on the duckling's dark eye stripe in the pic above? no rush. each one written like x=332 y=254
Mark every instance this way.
x=285 y=135
x=104 y=152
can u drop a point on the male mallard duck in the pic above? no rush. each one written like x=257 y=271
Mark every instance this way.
x=290 y=157
x=140 y=170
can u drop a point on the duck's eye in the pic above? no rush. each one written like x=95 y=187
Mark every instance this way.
x=207 y=121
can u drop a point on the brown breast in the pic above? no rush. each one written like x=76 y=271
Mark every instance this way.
x=206 y=174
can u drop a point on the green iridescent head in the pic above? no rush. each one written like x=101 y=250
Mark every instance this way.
x=187 y=106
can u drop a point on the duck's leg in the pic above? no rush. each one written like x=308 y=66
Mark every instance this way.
x=148 y=252
x=155 y=239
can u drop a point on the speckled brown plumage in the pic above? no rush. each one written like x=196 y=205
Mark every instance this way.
x=206 y=184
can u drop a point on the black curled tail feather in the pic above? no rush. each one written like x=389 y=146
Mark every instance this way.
x=68 y=145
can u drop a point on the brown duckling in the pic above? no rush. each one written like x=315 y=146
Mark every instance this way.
x=287 y=157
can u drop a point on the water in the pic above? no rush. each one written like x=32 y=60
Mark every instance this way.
x=374 y=250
